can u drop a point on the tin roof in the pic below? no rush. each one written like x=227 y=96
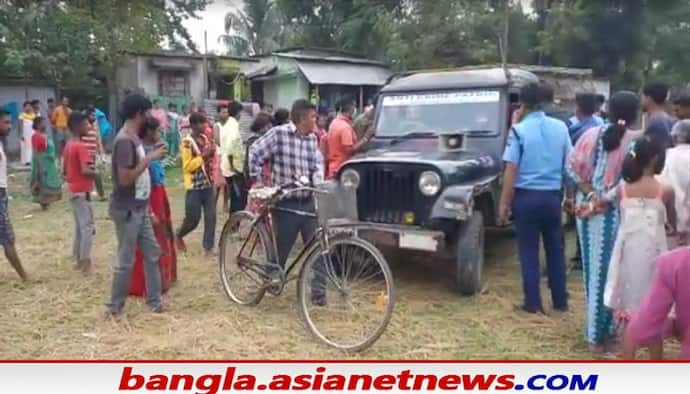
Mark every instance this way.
x=330 y=73
x=322 y=54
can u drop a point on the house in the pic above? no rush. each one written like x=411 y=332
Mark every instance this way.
x=568 y=82
x=323 y=75
x=180 y=77
x=13 y=93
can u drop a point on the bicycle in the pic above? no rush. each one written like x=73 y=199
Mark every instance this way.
x=336 y=263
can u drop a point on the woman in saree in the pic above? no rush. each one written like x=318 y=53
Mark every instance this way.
x=159 y=209
x=595 y=167
x=46 y=186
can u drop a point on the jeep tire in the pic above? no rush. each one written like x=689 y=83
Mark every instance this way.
x=469 y=255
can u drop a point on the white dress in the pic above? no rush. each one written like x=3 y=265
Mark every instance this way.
x=27 y=131
x=641 y=238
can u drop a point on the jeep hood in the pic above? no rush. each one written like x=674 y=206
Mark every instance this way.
x=461 y=165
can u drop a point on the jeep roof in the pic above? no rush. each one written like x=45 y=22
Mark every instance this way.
x=463 y=78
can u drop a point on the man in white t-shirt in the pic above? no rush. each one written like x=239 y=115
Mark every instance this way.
x=232 y=154
x=6 y=231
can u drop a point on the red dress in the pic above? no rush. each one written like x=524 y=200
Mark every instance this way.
x=39 y=142
x=163 y=230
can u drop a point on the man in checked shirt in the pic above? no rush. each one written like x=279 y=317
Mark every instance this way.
x=293 y=152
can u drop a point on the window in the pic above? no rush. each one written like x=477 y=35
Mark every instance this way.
x=173 y=83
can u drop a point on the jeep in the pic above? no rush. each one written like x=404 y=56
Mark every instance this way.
x=430 y=178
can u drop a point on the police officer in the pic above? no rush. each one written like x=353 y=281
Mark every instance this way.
x=535 y=156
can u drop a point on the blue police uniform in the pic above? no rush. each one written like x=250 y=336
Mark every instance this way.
x=539 y=145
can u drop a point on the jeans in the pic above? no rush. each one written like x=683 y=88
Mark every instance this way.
x=238 y=194
x=288 y=225
x=132 y=228
x=195 y=201
x=84 y=227
x=538 y=213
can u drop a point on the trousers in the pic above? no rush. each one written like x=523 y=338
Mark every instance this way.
x=288 y=225
x=238 y=194
x=195 y=201
x=537 y=214
x=84 y=227
x=133 y=228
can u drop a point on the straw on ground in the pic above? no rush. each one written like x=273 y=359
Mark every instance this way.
x=61 y=315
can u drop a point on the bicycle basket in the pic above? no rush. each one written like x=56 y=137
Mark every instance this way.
x=338 y=203
x=259 y=197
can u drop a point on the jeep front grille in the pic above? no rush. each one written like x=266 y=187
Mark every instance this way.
x=387 y=192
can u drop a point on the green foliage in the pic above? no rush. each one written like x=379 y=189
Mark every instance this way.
x=77 y=41
x=625 y=41
x=462 y=33
x=364 y=26
x=412 y=33
x=259 y=27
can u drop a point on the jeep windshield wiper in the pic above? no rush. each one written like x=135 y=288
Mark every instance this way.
x=415 y=134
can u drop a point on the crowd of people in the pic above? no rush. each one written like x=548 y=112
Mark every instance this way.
x=629 y=190
x=218 y=159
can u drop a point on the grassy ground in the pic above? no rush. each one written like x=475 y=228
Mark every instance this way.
x=60 y=314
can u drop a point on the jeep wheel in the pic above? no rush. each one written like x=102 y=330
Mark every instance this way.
x=469 y=255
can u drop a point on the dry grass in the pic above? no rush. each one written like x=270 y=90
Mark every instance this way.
x=61 y=315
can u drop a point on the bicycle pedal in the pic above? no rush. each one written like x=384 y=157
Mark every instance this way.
x=246 y=261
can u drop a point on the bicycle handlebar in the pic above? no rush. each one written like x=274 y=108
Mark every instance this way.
x=296 y=187
x=283 y=191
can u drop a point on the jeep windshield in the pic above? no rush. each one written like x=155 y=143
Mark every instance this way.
x=463 y=111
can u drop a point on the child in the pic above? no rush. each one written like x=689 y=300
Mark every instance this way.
x=646 y=207
x=671 y=285
x=79 y=173
x=92 y=140
x=46 y=186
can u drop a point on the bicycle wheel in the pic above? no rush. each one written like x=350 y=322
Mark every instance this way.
x=347 y=298
x=244 y=251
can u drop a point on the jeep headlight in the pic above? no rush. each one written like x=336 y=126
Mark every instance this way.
x=350 y=178
x=429 y=183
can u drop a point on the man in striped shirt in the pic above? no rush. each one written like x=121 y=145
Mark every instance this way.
x=92 y=140
x=293 y=152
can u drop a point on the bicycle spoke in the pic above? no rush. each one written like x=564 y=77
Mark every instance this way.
x=357 y=295
x=243 y=255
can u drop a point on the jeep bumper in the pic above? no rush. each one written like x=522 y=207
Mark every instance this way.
x=399 y=236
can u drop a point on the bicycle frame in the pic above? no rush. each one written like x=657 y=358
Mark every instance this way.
x=266 y=216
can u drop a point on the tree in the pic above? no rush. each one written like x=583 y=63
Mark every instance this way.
x=363 y=26
x=82 y=42
x=627 y=42
x=452 y=33
x=667 y=41
x=259 y=27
